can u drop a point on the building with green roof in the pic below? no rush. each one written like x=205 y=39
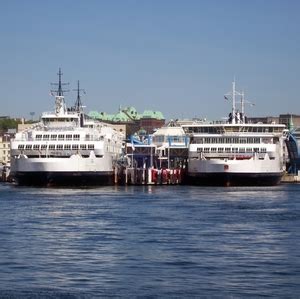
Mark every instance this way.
x=148 y=121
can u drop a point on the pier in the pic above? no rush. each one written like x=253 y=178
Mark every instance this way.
x=150 y=176
x=149 y=163
x=291 y=178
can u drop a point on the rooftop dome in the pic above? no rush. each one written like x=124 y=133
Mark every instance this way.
x=94 y=114
x=121 y=116
x=131 y=112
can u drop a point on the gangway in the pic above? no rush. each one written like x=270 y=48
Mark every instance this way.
x=292 y=148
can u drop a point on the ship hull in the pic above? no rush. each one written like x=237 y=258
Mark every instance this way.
x=73 y=171
x=234 y=179
x=251 y=172
x=73 y=179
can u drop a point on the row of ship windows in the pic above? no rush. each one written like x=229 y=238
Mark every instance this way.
x=234 y=140
x=231 y=150
x=56 y=147
x=218 y=130
x=57 y=136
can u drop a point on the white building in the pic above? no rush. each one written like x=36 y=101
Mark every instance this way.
x=5 y=149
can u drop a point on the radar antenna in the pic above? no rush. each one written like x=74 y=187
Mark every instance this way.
x=78 y=104
x=59 y=91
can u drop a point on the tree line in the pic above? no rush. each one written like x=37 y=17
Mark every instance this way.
x=10 y=123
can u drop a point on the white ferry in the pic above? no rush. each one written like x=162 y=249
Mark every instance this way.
x=65 y=148
x=235 y=152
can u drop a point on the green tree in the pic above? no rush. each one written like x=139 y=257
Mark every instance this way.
x=8 y=123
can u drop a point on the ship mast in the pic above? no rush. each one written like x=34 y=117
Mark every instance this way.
x=243 y=102
x=243 y=106
x=60 y=106
x=78 y=104
x=59 y=91
x=235 y=115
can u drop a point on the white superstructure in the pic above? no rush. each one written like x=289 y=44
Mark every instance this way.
x=171 y=143
x=65 y=148
x=235 y=152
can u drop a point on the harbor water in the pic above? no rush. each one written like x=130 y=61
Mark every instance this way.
x=150 y=241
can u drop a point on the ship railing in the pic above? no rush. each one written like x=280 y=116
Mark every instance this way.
x=226 y=155
x=60 y=129
x=235 y=156
x=22 y=138
x=54 y=153
x=26 y=137
x=52 y=113
x=45 y=113
x=63 y=125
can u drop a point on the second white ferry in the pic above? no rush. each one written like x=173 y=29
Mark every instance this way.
x=65 y=148
x=235 y=152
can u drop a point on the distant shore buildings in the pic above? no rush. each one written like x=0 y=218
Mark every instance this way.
x=289 y=120
x=5 y=149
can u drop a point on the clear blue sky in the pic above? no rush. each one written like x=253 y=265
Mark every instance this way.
x=178 y=57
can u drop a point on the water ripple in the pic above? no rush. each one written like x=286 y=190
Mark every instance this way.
x=149 y=241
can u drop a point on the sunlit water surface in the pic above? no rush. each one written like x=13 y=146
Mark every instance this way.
x=152 y=241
